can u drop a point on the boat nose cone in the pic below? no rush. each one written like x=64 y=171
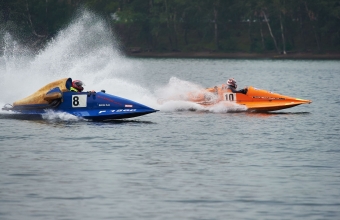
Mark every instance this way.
x=304 y=101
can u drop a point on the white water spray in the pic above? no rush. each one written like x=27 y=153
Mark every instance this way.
x=175 y=97
x=84 y=50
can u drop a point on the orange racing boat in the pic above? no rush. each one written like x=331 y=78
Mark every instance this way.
x=257 y=100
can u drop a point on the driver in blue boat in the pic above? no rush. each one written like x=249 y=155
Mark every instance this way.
x=77 y=86
x=232 y=85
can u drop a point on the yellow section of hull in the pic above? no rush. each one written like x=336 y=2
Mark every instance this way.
x=40 y=97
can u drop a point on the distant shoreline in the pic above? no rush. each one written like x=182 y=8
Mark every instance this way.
x=293 y=56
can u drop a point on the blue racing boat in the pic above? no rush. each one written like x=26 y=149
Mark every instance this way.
x=98 y=106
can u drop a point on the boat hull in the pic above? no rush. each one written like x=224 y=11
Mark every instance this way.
x=255 y=100
x=97 y=106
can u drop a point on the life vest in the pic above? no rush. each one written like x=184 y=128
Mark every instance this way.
x=73 y=89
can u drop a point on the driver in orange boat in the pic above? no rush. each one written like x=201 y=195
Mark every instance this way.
x=232 y=85
x=77 y=86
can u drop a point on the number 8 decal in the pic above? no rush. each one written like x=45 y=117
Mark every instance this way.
x=75 y=100
x=79 y=101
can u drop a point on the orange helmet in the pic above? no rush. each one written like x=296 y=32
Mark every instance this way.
x=77 y=84
x=232 y=82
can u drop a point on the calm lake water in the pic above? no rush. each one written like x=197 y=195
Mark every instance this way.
x=181 y=162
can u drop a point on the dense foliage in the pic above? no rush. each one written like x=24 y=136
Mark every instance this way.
x=189 y=25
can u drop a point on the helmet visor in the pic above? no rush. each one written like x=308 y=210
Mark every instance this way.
x=79 y=83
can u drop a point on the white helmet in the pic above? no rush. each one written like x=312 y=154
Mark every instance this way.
x=232 y=82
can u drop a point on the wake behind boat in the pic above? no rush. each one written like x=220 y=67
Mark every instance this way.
x=99 y=106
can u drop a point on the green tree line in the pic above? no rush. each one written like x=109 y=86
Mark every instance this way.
x=258 y=26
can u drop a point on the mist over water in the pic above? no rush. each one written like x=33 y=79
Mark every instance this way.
x=87 y=50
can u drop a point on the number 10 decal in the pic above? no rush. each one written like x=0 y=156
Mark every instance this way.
x=79 y=101
x=231 y=97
